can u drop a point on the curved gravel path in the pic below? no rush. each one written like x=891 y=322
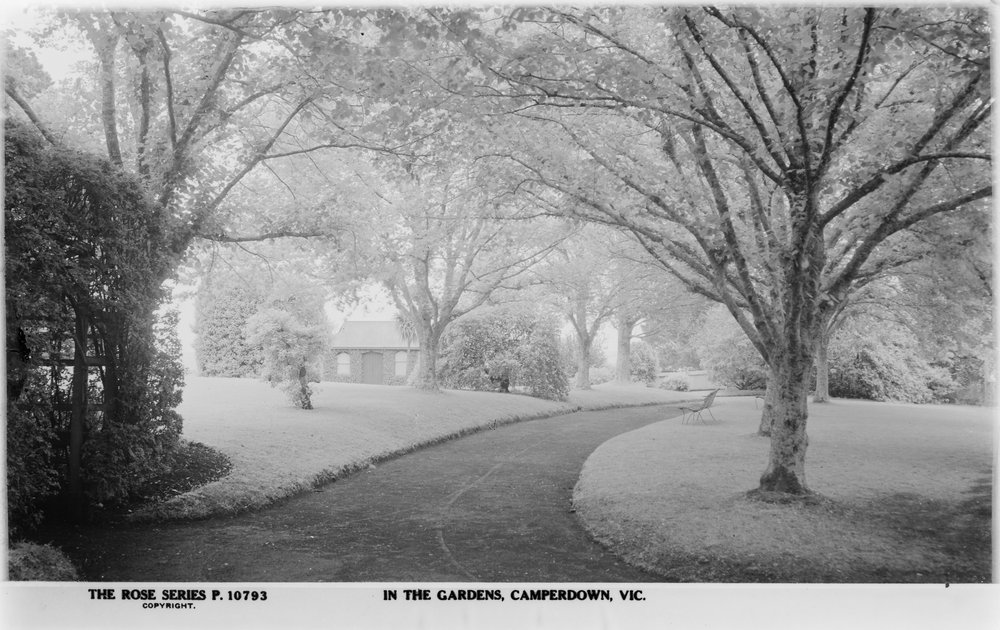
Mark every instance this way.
x=490 y=507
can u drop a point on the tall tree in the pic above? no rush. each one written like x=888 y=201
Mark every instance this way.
x=647 y=297
x=764 y=165
x=583 y=283
x=941 y=270
x=449 y=236
x=291 y=328
x=223 y=306
x=196 y=101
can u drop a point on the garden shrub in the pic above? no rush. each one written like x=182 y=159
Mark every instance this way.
x=726 y=352
x=292 y=330
x=504 y=348
x=603 y=374
x=538 y=365
x=291 y=349
x=644 y=363
x=882 y=362
x=222 y=309
x=32 y=462
x=676 y=383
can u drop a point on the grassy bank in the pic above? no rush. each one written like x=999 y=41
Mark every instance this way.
x=904 y=495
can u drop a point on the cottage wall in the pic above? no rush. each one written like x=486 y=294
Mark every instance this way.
x=357 y=365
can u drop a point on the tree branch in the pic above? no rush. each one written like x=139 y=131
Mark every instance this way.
x=12 y=92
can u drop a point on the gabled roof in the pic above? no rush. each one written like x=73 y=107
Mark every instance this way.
x=366 y=334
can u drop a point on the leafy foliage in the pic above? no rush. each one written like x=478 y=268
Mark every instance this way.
x=882 y=361
x=39 y=563
x=770 y=169
x=645 y=365
x=125 y=456
x=726 y=352
x=451 y=237
x=676 y=383
x=539 y=364
x=505 y=348
x=569 y=350
x=32 y=458
x=192 y=464
x=221 y=313
x=292 y=330
x=773 y=169
x=581 y=281
x=85 y=251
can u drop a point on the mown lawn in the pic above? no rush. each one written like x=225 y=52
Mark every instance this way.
x=276 y=450
x=903 y=494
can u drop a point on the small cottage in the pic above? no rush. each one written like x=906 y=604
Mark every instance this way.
x=374 y=352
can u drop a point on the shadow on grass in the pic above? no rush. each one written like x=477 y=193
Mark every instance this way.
x=960 y=530
x=906 y=537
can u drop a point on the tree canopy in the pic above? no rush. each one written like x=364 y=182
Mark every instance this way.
x=766 y=162
x=784 y=162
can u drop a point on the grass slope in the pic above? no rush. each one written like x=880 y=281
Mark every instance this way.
x=904 y=495
x=277 y=450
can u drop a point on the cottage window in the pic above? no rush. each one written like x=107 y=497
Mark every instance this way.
x=401 y=363
x=343 y=364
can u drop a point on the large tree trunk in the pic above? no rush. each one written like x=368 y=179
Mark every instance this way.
x=989 y=378
x=786 y=463
x=304 y=392
x=767 y=414
x=78 y=419
x=583 y=363
x=822 y=393
x=623 y=366
x=426 y=372
x=106 y=54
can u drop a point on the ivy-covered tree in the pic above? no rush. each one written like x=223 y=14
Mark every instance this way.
x=92 y=383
